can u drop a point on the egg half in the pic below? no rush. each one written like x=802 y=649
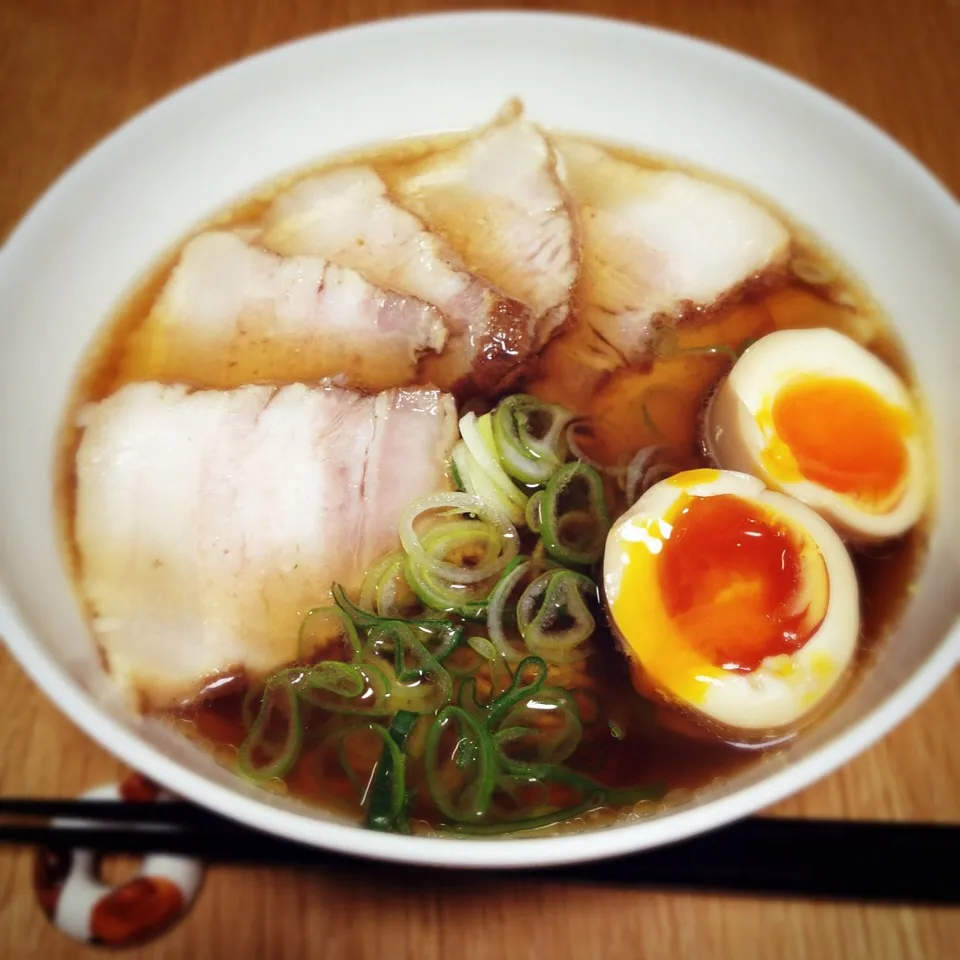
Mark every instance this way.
x=730 y=599
x=822 y=419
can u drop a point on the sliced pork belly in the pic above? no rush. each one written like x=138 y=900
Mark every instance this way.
x=233 y=313
x=347 y=216
x=656 y=242
x=209 y=522
x=496 y=199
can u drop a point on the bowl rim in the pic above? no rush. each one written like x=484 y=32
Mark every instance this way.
x=89 y=716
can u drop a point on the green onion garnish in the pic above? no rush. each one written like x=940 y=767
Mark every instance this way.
x=461 y=780
x=574 y=515
x=263 y=754
x=388 y=795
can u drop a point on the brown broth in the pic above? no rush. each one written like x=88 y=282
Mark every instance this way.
x=632 y=742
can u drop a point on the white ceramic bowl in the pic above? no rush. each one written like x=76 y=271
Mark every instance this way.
x=113 y=214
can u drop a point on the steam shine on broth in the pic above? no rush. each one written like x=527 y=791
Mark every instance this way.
x=479 y=673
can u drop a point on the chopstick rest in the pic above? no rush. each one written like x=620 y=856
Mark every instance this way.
x=75 y=899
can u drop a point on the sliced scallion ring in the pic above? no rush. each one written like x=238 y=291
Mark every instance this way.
x=440 y=635
x=530 y=437
x=554 y=618
x=388 y=795
x=477 y=482
x=358 y=689
x=478 y=435
x=464 y=505
x=462 y=782
x=260 y=756
x=385 y=591
x=544 y=728
x=323 y=627
x=576 y=489
x=528 y=679
x=496 y=611
x=483 y=647
x=418 y=682
x=463 y=540
x=533 y=512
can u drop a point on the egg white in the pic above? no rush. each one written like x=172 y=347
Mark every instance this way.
x=735 y=440
x=784 y=688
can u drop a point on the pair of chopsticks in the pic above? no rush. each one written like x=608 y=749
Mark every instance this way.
x=822 y=859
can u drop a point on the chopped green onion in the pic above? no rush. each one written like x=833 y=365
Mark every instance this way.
x=388 y=794
x=647 y=468
x=419 y=682
x=450 y=598
x=554 y=618
x=478 y=436
x=483 y=647
x=665 y=342
x=477 y=483
x=545 y=728
x=361 y=689
x=599 y=798
x=557 y=773
x=496 y=610
x=371 y=582
x=342 y=679
x=446 y=635
x=320 y=626
x=530 y=437
x=385 y=591
x=467 y=698
x=465 y=539
x=532 y=515
x=462 y=787
x=457 y=478
x=578 y=540
x=278 y=700
x=526 y=823
x=462 y=504
x=521 y=686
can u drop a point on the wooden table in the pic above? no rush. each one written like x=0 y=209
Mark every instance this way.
x=70 y=71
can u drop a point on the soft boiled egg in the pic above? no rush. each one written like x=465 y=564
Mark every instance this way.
x=822 y=419
x=731 y=600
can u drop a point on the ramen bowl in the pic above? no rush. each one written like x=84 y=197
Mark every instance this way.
x=119 y=209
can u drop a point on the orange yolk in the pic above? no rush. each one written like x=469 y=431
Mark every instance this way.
x=843 y=436
x=731 y=578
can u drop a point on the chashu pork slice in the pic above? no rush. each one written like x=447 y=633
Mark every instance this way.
x=348 y=216
x=496 y=199
x=658 y=242
x=234 y=313
x=209 y=522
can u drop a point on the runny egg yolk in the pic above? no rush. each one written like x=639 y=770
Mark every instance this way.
x=735 y=584
x=731 y=578
x=842 y=435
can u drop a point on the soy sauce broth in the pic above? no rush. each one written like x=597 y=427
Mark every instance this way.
x=627 y=740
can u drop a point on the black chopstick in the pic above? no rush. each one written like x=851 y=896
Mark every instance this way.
x=821 y=859
x=176 y=812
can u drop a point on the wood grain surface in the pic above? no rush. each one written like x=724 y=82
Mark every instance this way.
x=70 y=71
